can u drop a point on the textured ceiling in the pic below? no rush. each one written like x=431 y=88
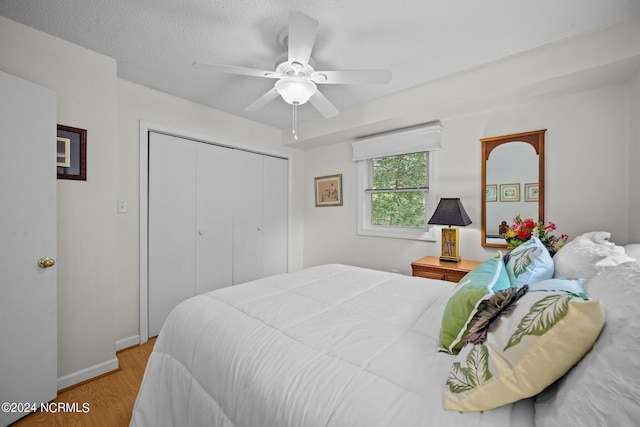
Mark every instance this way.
x=156 y=41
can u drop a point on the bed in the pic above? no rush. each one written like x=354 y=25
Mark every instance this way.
x=339 y=345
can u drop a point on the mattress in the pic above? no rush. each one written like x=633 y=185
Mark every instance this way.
x=332 y=345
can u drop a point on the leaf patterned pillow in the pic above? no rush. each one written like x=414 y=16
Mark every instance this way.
x=529 y=263
x=530 y=347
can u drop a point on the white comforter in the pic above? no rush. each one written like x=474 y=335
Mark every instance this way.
x=333 y=345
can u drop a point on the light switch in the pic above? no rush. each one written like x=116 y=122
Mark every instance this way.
x=122 y=206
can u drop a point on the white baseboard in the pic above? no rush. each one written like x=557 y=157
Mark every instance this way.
x=127 y=342
x=88 y=373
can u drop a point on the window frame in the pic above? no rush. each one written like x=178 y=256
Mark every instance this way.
x=365 y=228
x=421 y=138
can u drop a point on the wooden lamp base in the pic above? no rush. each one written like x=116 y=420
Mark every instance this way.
x=450 y=246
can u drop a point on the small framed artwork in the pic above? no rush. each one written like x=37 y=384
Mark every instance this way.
x=491 y=193
x=531 y=192
x=72 y=153
x=329 y=190
x=509 y=192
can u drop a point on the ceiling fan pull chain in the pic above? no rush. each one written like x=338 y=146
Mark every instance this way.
x=294 y=129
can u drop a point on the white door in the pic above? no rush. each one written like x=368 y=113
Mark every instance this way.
x=247 y=216
x=28 y=317
x=172 y=224
x=275 y=221
x=216 y=215
x=190 y=217
x=214 y=236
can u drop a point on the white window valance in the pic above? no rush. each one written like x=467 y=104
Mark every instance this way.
x=413 y=140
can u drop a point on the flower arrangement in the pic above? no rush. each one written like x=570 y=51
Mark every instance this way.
x=522 y=230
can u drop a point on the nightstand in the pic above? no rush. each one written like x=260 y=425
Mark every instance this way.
x=432 y=268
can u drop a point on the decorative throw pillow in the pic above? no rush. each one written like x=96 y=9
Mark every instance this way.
x=529 y=263
x=530 y=347
x=604 y=388
x=477 y=285
x=570 y=286
x=587 y=255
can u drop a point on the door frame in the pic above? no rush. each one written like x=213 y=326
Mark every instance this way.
x=145 y=128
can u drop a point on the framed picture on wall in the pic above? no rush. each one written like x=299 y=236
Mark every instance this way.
x=71 y=153
x=531 y=192
x=328 y=190
x=491 y=193
x=509 y=192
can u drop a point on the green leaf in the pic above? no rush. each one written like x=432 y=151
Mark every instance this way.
x=522 y=261
x=476 y=372
x=541 y=317
x=478 y=364
x=458 y=381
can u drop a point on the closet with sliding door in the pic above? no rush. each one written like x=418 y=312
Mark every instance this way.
x=217 y=216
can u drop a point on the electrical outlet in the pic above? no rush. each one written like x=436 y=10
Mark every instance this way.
x=122 y=206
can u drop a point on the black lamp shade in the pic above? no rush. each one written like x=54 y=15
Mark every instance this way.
x=450 y=212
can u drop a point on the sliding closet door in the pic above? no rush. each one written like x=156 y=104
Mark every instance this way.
x=214 y=236
x=217 y=217
x=275 y=216
x=172 y=222
x=247 y=216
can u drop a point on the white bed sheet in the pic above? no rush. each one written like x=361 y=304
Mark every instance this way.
x=332 y=345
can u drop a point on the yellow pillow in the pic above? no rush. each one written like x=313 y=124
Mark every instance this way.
x=527 y=349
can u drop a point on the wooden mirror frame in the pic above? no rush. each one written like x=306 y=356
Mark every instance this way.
x=536 y=139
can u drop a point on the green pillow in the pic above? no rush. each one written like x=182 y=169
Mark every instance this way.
x=479 y=284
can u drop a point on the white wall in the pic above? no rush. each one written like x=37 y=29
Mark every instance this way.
x=634 y=159
x=578 y=88
x=136 y=103
x=587 y=177
x=85 y=83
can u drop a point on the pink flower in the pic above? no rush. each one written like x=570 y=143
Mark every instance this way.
x=522 y=230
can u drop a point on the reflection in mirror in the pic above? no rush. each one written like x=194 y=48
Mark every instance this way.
x=512 y=183
x=510 y=177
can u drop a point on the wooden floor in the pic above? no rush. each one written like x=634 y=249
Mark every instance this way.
x=110 y=398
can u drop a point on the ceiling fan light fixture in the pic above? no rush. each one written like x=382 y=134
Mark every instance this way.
x=295 y=90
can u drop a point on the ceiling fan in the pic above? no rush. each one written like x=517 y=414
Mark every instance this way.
x=296 y=77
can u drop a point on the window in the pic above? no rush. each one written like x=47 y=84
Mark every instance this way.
x=396 y=183
x=398 y=190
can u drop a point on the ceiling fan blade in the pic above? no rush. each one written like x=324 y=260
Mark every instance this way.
x=352 y=77
x=322 y=104
x=230 y=69
x=262 y=101
x=302 y=35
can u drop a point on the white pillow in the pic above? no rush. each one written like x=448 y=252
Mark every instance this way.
x=633 y=250
x=604 y=388
x=587 y=255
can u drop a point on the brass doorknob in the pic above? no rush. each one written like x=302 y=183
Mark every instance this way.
x=45 y=262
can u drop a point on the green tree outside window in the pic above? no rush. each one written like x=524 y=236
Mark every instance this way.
x=399 y=184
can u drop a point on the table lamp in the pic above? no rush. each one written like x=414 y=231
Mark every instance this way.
x=450 y=212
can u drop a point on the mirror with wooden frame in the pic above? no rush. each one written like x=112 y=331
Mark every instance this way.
x=512 y=183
